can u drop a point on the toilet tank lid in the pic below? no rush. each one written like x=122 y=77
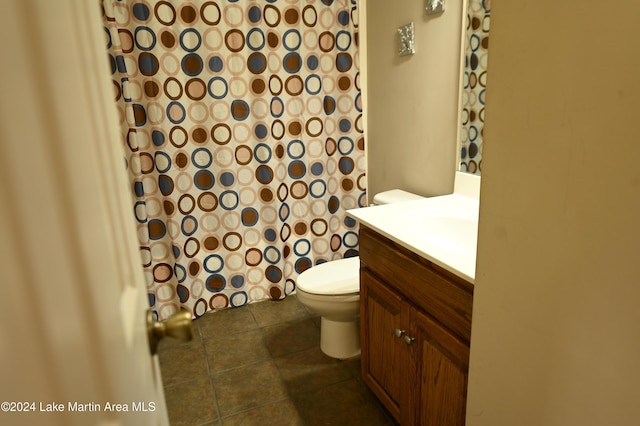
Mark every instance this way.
x=335 y=277
x=394 y=196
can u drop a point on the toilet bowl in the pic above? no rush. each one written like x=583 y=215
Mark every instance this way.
x=332 y=290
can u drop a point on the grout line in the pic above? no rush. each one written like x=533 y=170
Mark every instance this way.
x=182 y=382
x=206 y=356
x=256 y=407
x=215 y=399
x=217 y=373
x=209 y=374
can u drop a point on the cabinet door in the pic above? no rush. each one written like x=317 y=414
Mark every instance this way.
x=442 y=365
x=384 y=355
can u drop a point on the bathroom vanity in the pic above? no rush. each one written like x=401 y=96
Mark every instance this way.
x=415 y=328
x=416 y=295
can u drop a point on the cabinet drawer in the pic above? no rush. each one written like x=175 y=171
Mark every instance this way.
x=443 y=295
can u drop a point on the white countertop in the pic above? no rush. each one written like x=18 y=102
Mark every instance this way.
x=443 y=230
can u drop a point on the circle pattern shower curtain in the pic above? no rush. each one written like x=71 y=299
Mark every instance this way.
x=242 y=128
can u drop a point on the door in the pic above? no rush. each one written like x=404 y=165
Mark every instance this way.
x=385 y=362
x=442 y=365
x=73 y=345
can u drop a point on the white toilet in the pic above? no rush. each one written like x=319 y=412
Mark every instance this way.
x=332 y=290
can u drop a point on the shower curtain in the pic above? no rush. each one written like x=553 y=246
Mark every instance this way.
x=242 y=128
x=474 y=85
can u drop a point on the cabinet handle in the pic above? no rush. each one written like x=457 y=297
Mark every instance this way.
x=409 y=340
x=398 y=332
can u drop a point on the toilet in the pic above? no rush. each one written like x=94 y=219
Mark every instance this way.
x=332 y=290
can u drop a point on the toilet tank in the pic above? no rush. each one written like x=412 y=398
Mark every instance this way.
x=394 y=196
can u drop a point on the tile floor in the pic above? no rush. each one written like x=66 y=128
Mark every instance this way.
x=261 y=364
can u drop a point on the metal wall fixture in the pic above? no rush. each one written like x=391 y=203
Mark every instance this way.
x=435 y=6
x=406 y=40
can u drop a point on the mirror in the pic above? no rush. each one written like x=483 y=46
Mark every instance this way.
x=474 y=80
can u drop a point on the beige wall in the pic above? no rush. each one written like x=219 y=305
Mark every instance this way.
x=411 y=102
x=556 y=322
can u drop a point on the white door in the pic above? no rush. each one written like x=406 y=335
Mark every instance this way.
x=73 y=345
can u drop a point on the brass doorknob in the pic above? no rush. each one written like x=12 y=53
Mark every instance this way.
x=177 y=326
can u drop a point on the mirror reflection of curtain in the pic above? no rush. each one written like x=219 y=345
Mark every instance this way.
x=242 y=126
x=474 y=85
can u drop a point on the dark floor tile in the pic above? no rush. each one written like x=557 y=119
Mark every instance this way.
x=311 y=370
x=317 y=319
x=226 y=322
x=263 y=363
x=234 y=351
x=292 y=336
x=354 y=366
x=181 y=363
x=345 y=403
x=191 y=403
x=248 y=387
x=272 y=312
x=281 y=413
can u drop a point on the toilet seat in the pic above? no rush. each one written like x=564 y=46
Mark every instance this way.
x=337 y=277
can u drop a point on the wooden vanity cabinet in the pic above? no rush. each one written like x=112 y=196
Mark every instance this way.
x=415 y=328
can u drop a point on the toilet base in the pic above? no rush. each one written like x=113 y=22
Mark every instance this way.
x=340 y=339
